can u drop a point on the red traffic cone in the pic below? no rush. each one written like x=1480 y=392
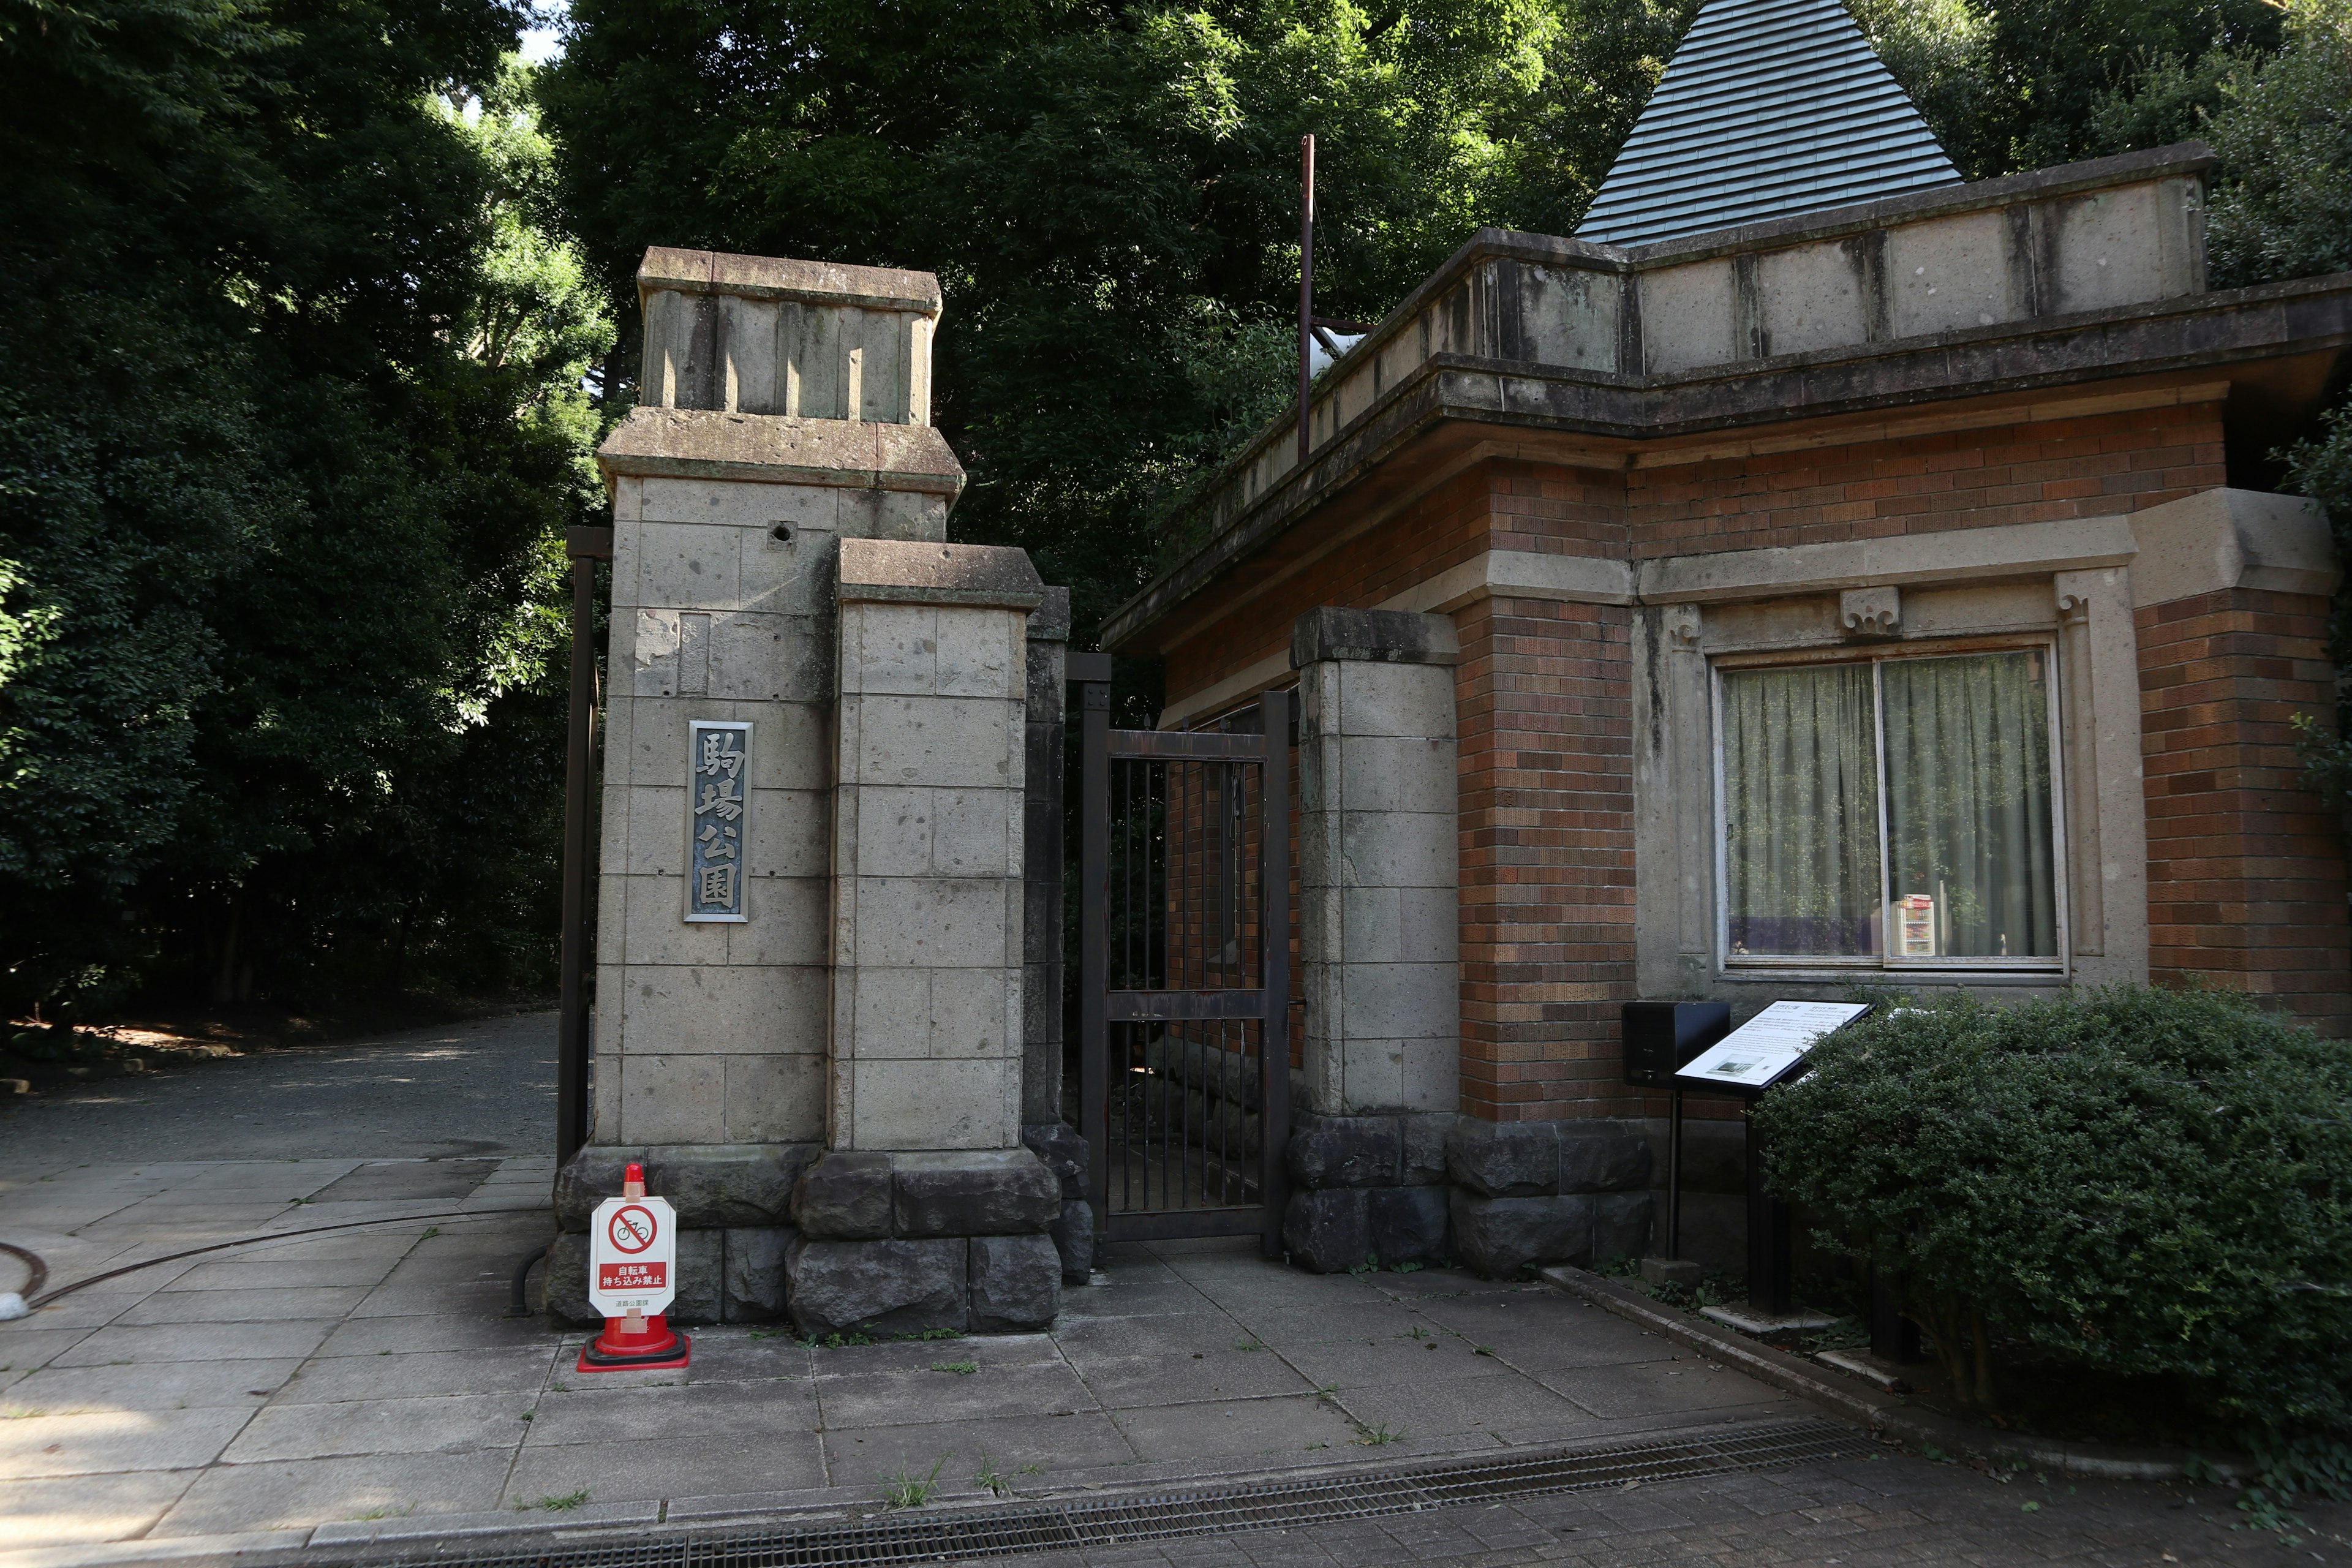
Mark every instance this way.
x=636 y=1342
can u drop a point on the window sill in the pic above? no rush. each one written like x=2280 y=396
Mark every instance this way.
x=1938 y=978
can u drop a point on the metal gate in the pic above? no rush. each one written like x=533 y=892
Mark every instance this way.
x=1184 y=971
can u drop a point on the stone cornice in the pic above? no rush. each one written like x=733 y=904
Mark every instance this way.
x=2185 y=334
x=773 y=449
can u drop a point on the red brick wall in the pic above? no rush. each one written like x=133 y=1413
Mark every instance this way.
x=1544 y=703
x=2245 y=868
x=1544 y=696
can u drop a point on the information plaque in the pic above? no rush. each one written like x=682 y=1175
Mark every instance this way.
x=1769 y=1048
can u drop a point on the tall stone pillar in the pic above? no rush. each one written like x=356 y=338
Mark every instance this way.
x=1379 y=936
x=928 y=1212
x=784 y=431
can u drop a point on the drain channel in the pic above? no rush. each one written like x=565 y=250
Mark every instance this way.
x=1220 y=1511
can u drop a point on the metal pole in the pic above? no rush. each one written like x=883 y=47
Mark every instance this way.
x=1094 y=925
x=1674 y=1175
x=587 y=546
x=1274 y=967
x=1306 y=281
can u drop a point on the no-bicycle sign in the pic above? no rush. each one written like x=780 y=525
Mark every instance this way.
x=632 y=1255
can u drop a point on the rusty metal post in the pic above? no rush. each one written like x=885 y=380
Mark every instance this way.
x=1273 y=957
x=1306 y=282
x=1090 y=673
x=585 y=546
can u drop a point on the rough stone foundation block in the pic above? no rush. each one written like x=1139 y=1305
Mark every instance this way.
x=563 y=1287
x=1406 y=1224
x=1061 y=1151
x=755 y=1273
x=845 y=1196
x=1602 y=1157
x=713 y=1186
x=1499 y=1236
x=1016 y=1283
x=1328 y=1151
x=1683 y=1271
x=1504 y=1160
x=701 y=1277
x=989 y=1192
x=1425 y=1134
x=1620 y=1226
x=1327 y=1232
x=1074 y=1241
x=876 y=1287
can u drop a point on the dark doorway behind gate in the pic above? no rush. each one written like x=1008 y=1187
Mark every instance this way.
x=1184 y=971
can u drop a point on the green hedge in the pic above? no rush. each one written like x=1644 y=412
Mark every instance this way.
x=2146 y=1181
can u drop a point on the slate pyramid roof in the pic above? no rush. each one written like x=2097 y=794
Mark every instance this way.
x=1770 y=107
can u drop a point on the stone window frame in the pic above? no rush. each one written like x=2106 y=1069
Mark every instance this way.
x=2056 y=969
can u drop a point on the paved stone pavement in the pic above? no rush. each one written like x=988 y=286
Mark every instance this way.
x=483 y=1087
x=1849 y=1514
x=369 y=1374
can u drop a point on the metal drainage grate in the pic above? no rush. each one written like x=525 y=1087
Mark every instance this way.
x=1052 y=1527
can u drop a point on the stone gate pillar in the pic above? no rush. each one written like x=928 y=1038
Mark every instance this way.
x=783 y=432
x=1378 y=836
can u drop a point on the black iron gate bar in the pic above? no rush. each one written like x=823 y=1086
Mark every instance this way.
x=1145 y=898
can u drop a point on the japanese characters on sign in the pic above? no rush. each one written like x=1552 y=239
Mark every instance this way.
x=632 y=1255
x=718 y=817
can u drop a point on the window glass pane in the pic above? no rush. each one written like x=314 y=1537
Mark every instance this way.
x=1800 y=812
x=1968 y=806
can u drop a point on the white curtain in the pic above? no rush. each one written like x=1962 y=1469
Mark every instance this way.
x=1968 y=798
x=1800 y=812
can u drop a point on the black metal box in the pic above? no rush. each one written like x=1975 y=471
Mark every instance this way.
x=1661 y=1036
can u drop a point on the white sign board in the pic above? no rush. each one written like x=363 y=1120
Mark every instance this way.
x=632 y=1255
x=1765 y=1047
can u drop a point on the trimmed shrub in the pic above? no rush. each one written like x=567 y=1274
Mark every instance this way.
x=2146 y=1182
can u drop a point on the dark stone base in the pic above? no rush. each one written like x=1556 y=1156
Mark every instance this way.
x=1074 y=1241
x=723 y=1277
x=989 y=1284
x=862 y=1196
x=1499 y=1236
x=713 y=1186
x=1333 y=1231
x=1539 y=1159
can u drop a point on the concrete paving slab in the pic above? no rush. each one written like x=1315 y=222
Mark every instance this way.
x=100 y=1440
x=434 y=1331
x=1183 y=1379
x=28 y=1349
x=884 y=1399
x=917 y=1355
x=274 y=1272
x=1363 y=1317
x=1648 y=1387
x=127 y=1346
x=1470 y=1405
x=257 y=1306
x=510 y=1370
x=1116 y=1299
x=736 y=1412
x=1394 y=1362
x=1270 y=1429
x=1023 y=1449
x=85 y=1510
x=303 y=1492
x=652 y=1468
x=63 y=1390
x=444 y=1424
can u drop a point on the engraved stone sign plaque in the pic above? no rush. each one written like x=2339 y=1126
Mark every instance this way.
x=718 y=817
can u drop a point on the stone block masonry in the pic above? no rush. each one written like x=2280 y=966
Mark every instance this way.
x=854 y=1002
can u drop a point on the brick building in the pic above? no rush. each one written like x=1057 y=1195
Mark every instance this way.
x=1846 y=575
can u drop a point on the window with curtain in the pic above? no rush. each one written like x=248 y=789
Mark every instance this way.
x=1895 y=812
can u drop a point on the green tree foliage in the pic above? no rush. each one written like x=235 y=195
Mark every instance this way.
x=290 y=421
x=2144 y=1182
x=1108 y=195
